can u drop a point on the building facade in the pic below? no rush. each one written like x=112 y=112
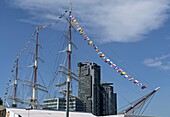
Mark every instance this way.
x=60 y=104
x=89 y=86
x=109 y=99
x=99 y=98
x=93 y=97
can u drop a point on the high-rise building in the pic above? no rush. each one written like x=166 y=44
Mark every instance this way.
x=89 y=86
x=99 y=98
x=93 y=96
x=109 y=99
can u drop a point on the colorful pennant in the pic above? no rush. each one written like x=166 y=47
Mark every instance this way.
x=102 y=55
x=51 y=24
x=40 y=27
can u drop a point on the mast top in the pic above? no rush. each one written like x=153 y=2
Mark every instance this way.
x=70 y=9
x=157 y=89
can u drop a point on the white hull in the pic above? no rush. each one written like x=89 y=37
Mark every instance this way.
x=14 y=112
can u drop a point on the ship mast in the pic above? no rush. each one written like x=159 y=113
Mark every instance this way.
x=35 y=68
x=15 y=85
x=69 y=66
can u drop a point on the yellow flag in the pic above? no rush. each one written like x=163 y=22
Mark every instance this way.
x=101 y=55
x=123 y=73
x=90 y=42
x=37 y=28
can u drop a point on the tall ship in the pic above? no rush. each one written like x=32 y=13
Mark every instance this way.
x=72 y=87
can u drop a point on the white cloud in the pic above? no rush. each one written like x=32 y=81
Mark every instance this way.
x=112 y=20
x=161 y=62
x=152 y=62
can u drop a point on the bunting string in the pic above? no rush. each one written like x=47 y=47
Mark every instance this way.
x=104 y=57
x=51 y=24
x=39 y=28
x=6 y=92
x=23 y=50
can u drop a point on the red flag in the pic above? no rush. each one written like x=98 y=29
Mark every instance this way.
x=119 y=70
x=130 y=79
x=85 y=36
x=90 y=42
x=113 y=65
x=107 y=60
x=40 y=27
x=79 y=28
x=143 y=87
x=126 y=76
x=140 y=84
x=135 y=81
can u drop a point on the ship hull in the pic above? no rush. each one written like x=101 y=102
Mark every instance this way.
x=15 y=112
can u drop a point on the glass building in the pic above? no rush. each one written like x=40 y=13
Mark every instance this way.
x=99 y=99
x=109 y=99
x=89 y=86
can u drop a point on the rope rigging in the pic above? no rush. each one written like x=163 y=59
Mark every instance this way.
x=104 y=57
x=62 y=46
x=26 y=46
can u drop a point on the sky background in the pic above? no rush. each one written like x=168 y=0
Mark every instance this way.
x=132 y=33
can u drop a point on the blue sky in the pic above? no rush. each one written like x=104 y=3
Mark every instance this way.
x=134 y=34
